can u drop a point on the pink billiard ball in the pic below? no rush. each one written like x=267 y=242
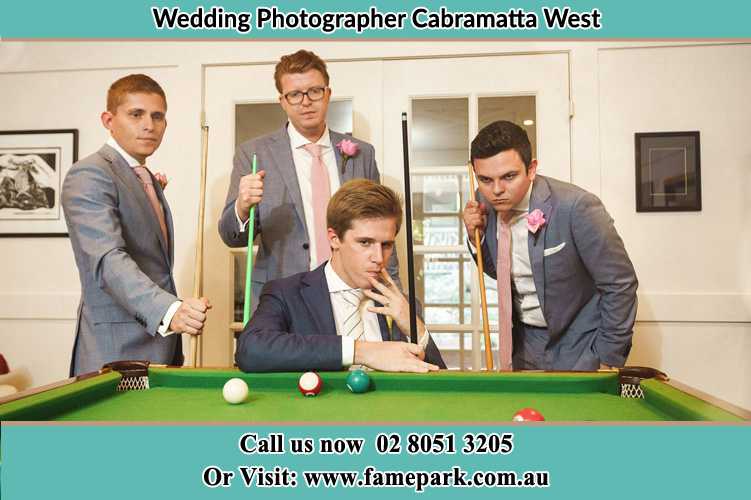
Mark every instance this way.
x=310 y=384
x=528 y=415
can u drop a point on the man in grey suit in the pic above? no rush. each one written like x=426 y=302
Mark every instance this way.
x=573 y=285
x=288 y=191
x=121 y=231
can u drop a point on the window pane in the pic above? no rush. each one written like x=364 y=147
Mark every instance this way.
x=440 y=279
x=440 y=231
x=442 y=315
x=521 y=110
x=440 y=132
x=447 y=340
x=467 y=315
x=468 y=265
x=440 y=193
x=437 y=208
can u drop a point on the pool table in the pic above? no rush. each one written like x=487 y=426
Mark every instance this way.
x=195 y=395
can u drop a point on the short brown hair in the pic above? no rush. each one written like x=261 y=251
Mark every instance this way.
x=132 y=84
x=362 y=199
x=299 y=62
x=502 y=136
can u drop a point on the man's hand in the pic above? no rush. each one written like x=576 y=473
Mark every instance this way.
x=392 y=357
x=249 y=194
x=191 y=316
x=475 y=217
x=394 y=302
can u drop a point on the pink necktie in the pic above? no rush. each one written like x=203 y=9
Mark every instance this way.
x=319 y=180
x=503 y=275
x=148 y=186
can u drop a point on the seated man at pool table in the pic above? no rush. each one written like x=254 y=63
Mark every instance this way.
x=335 y=316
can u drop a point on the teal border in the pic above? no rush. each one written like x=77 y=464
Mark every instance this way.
x=632 y=19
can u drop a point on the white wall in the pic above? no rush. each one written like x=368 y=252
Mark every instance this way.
x=694 y=268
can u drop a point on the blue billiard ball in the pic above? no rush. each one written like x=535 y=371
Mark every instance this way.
x=358 y=381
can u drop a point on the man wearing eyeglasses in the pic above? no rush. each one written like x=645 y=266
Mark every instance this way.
x=299 y=167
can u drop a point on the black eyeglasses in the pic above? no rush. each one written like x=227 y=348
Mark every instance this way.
x=313 y=93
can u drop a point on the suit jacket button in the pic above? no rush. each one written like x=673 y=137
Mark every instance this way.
x=305 y=246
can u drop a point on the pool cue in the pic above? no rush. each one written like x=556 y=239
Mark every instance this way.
x=408 y=224
x=198 y=278
x=249 y=260
x=481 y=272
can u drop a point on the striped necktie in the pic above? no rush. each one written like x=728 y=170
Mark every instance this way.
x=353 y=325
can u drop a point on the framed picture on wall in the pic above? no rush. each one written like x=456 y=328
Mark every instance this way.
x=33 y=164
x=668 y=172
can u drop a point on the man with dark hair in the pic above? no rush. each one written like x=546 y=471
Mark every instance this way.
x=299 y=167
x=566 y=287
x=335 y=316
x=122 y=236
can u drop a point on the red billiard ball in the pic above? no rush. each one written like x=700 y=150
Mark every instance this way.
x=310 y=384
x=528 y=415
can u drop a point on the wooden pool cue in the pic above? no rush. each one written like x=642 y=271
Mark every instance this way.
x=249 y=260
x=408 y=224
x=481 y=272
x=198 y=278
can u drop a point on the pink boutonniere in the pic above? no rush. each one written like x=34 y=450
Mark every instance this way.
x=161 y=179
x=535 y=220
x=348 y=149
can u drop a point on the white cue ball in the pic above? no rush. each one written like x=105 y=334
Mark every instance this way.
x=7 y=390
x=235 y=391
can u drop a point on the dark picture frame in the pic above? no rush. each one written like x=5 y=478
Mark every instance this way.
x=33 y=164
x=668 y=171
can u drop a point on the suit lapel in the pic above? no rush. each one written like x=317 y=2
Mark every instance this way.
x=491 y=229
x=169 y=222
x=315 y=295
x=126 y=174
x=281 y=150
x=336 y=138
x=539 y=199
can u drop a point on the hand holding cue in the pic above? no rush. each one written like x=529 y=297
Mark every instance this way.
x=249 y=261
x=198 y=279
x=481 y=272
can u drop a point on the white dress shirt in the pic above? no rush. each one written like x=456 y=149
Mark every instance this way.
x=524 y=292
x=163 y=329
x=304 y=166
x=372 y=328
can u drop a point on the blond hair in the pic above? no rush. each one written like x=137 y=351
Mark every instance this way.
x=360 y=199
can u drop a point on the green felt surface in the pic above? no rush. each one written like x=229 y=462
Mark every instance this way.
x=195 y=395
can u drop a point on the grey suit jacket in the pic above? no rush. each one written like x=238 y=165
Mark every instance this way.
x=293 y=329
x=279 y=218
x=586 y=284
x=124 y=264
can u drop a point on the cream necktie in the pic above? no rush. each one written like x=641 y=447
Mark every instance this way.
x=353 y=325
